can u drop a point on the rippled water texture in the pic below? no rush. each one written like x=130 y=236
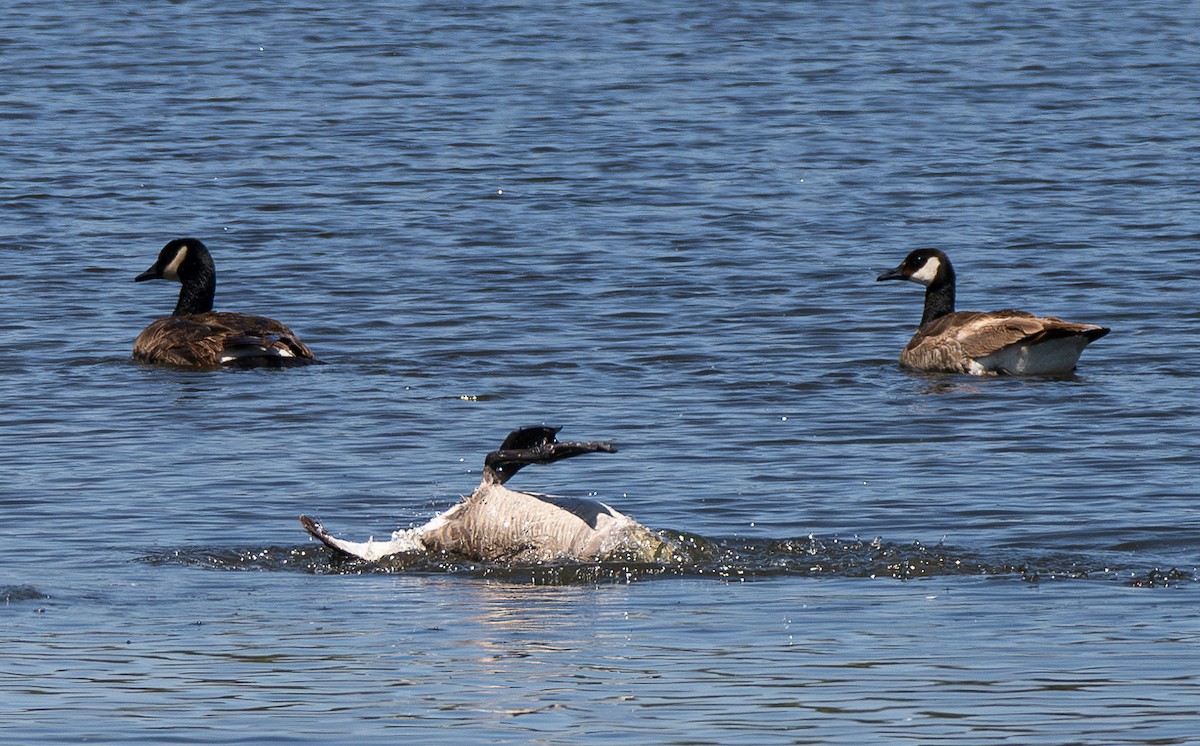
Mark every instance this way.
x=658 y=225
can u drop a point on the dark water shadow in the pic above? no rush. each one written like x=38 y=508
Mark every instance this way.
x=10 y=594
x=698 y=557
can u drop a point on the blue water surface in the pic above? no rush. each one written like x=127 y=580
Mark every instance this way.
x=654 y=224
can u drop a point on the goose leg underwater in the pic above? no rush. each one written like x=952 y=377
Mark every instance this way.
x=497 y=524
x=997 y=342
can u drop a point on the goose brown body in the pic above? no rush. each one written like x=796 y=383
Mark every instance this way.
x=206 y=340
x=1007 y=341
x=195 y=336
x=497 y=524
x=984 y=343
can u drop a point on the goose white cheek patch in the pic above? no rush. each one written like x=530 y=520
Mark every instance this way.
x=171 y=271
x=926 y=274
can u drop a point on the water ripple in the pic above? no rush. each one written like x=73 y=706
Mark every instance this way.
x=721 y=559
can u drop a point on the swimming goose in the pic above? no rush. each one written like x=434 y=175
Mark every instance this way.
x=495 y=523
x=195 y=336
x=1013 y=342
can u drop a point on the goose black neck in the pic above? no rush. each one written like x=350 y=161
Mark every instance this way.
x=499 y=466
x=939 y=298
x=199 y=287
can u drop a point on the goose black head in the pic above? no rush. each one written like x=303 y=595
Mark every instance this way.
x=179 y=260
x=186 y=261
x=928 y=267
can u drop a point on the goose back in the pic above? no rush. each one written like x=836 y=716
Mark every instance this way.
x=209 y=340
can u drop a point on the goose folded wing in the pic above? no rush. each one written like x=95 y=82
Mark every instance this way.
x=989 y=332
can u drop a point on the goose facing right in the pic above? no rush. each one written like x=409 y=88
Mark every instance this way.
x=997 y=342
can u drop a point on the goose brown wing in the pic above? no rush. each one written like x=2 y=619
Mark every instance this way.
x=977 y=334
x=247 y=330
x=981 y=334
x=951 y=342
x=1053 y=327
x=986 y=333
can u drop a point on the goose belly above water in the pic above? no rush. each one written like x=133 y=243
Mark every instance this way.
x=497 y=524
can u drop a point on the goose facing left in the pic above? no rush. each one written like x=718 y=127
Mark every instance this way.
x=195 y=336
x=984 y=343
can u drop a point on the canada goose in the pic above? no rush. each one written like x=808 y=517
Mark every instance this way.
x=194 y=336
x=1013 y=342
x=495 y=523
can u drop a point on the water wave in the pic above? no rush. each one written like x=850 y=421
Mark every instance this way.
x=736 y=559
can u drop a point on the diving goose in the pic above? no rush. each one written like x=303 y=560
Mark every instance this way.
x=496 y=524
x=1012 y=342
x=195 y=336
